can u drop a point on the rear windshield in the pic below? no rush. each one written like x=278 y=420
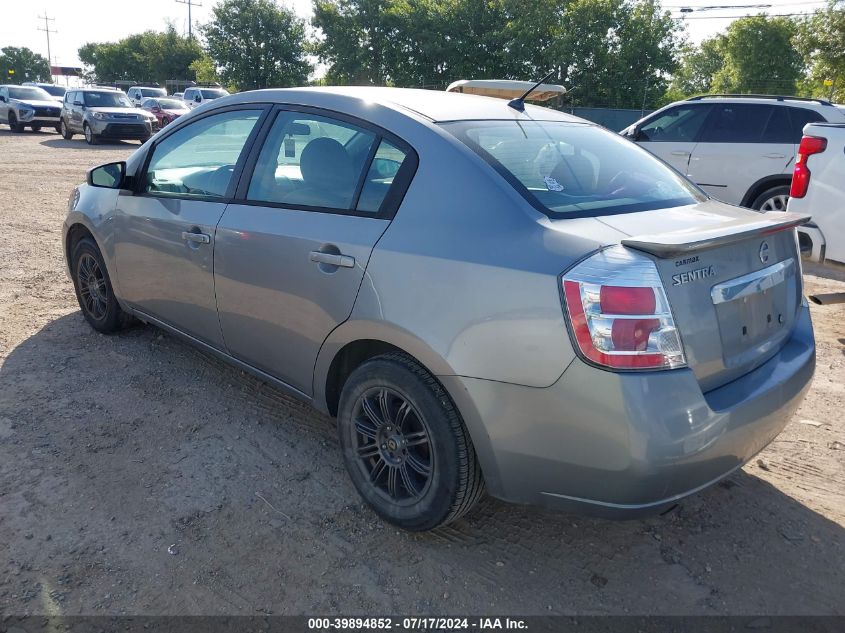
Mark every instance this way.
x=171 y=104
x=110 y=99
x=213 y=94
x=568 y=169
x=56 y=91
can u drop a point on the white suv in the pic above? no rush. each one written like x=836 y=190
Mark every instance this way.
x=738 y=148
x=196 y=96
x=138 y=94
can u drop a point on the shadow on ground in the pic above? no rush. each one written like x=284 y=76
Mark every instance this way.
x=140 y=476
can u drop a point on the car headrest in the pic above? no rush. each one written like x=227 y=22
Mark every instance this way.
x=326 y=163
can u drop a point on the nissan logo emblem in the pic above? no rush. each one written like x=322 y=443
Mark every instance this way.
x=764 y=252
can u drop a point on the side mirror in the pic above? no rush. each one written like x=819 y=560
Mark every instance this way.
x=3 y=99
x=108 y=176
x=198 y=99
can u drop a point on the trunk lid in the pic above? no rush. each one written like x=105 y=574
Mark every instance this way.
x=732 y=277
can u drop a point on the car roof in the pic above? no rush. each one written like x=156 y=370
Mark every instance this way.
x=435 y=105
x=768 y=100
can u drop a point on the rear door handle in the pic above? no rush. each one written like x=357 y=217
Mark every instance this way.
x=680 y=153
x=197 y=238
x=332 y=259
x=774 y=155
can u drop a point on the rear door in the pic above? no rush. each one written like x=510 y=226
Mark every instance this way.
x=672 y=134
x=164 y=232
x=741 y=144
x=291 y=255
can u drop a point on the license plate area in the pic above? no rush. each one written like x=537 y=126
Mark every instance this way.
x=755 y=312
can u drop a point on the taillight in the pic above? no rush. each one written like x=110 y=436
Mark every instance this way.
x=619 y=313
x=801 y=174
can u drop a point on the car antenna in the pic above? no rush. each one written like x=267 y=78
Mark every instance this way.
x=519 y=103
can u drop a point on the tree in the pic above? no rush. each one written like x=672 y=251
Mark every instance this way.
x=149 y=57
x=257 y=44
x=617 y=52
x=759 y=57
x=27 y=66
x=204 y=70
x=697 y=67
x=820 y=39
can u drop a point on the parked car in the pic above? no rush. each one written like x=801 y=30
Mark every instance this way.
x=194 y=97
x=27 y=106
x=483 y=294
x=165 y=110
x=739 y=149
x=177 y=95
x=817 y=190
x=104 y=114
x=137 y=94
x=57 y=93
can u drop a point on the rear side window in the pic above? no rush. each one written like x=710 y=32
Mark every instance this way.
x=737 y=123
x=199 y=160
x=778 y=128
x=383 y=171
x=801 y=117
x=569 y=169
x=676 y=125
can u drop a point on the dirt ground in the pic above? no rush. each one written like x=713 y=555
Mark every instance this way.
x=139 y=476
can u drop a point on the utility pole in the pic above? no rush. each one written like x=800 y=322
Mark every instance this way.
x=48 y=30
x=190 y=4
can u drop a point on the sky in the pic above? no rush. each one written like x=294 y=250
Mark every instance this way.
x=77 y=22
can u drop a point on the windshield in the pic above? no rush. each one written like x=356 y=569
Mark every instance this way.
x=575 y=169
x=171 y=104
x=213 y=94
x=56 y=91
x=153 y=92
x=107 y=100
x=28 y=93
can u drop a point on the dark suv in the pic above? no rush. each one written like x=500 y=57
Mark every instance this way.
x=103 y=114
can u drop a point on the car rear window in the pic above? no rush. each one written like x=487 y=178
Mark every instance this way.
x=570 y=169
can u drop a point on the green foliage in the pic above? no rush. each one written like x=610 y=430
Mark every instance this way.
x=257 y=44
x=145 y=57
x=698 y=65
x=821 y=41
x=616 y=52
x=204 y=69
x=759 y=57
x=27 y=66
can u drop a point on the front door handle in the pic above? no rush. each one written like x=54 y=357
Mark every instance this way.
x=774 y=156
x=196 y=238
x=680 y=153
x=332 y=259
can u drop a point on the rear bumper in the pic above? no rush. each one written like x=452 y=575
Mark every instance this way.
x=625 y=444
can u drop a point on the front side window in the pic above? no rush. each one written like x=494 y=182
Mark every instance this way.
x=199 y=160
x=310 y=160
x=569 y=169
x=676 y=125
x=106 y=99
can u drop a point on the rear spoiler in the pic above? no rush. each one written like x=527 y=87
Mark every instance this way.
x=678 y=243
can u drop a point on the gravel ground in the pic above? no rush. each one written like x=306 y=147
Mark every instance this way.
x=139 y=476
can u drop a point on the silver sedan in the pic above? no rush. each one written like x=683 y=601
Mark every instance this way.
x=487 y=296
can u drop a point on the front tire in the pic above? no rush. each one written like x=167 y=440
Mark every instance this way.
x=90 y=137
x=773 y=199
x=13 y=123
x=405 y=445
x=36 y=128
x=94 y=290
x=64 y=130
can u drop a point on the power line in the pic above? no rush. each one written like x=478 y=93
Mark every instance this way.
x=48 y=30
x=190 y=4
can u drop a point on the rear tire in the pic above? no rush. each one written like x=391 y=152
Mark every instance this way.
x=405 y=445
x=773 y=199
x=64 y=130
x=36 y=128
x=94 y=290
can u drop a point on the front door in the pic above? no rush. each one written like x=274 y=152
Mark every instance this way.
x=164 y=233
x=741 y=144
x=290 y=259
x=672 y=134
